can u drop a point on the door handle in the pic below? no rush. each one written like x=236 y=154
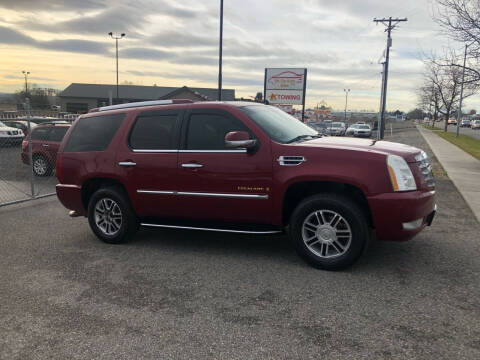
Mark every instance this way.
x=45 y=145
x=192 y=165
x=127 y=163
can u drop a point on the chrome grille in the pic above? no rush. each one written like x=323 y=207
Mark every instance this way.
x=425 y=168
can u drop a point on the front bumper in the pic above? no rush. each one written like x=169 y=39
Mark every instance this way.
x=391 y=211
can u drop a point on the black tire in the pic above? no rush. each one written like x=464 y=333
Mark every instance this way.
x=41 y=166
x=353 y=220
x=129 y=222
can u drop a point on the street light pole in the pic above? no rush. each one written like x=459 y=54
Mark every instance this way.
x=461 y=91
x=25 y=74
x=116 y=52
x=346 y=102
x=220 y=50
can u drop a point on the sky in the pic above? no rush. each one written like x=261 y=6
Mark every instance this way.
x=175 y=43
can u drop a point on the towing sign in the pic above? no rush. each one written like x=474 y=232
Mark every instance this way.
x=285 y=85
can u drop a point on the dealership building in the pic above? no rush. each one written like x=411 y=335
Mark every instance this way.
x=79 y=98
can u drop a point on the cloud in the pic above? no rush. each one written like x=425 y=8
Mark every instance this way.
x=58 y=5
x=13 y=37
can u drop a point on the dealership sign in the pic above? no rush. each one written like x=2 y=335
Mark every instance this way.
x=285 y=86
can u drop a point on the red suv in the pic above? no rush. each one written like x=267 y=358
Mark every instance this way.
x=242 y=168
x=46 y=140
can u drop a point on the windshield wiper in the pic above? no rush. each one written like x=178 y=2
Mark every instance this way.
x=301 y=137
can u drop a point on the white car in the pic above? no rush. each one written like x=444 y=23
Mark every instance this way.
x=475 y=124
x=360 y=130
x=10 y=135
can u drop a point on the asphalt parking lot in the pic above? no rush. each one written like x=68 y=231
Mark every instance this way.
x=193 y=295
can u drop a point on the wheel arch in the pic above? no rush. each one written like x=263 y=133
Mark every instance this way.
x=90 y=186
x=300 y=190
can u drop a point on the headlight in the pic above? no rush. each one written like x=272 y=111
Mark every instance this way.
x=400 y=174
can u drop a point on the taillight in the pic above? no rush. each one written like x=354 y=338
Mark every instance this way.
x=59 y=167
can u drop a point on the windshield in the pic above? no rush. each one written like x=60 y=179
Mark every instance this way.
x=280 y=126
x=336 y=125
x=364 y=127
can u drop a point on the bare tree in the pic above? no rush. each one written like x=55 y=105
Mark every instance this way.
x=429 y=99
x=460 y=20
x=446 y=78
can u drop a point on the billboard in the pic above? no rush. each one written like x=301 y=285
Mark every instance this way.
x=285 y=85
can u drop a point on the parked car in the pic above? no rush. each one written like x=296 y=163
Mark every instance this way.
x=20 y=124
x=245 y=168
x=337 y=129
x=46 y=139
x=475 y=124
x=465 y=123
x=351 y=129
x=318 y=126
x=363 y=130
x=10 y=135
x=452 y=121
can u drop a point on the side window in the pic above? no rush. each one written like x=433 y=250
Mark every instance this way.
x=41 y=134
x=207 y=131
x=93 y=133
x=156 y=132
x=57 y=133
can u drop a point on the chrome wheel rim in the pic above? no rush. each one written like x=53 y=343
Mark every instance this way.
x=40 y=166
x=326 y=233
x=108 y=216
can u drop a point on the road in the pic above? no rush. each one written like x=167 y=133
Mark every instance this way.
x=465 y=130
x=173 y=294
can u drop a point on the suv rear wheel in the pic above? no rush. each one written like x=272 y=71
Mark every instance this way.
x=329 y=231
x=41 y=166
x=111 y=217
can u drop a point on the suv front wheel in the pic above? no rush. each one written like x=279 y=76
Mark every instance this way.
x=329 y=231
x=111 y=217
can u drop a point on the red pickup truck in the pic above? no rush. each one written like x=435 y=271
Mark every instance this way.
x=241 y=167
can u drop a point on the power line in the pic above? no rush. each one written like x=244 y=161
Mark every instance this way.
x=390 y=25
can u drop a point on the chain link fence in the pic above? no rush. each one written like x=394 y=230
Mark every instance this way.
x=28 y=153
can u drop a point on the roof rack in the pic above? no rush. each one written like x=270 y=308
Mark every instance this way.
x=141 y=104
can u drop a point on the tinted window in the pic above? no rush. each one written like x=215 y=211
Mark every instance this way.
x=94 y=133
x=40 y=134
x=207 y=131
x=154 y=132
x=57 y=133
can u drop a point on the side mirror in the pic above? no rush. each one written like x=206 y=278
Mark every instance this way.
x=239 y=139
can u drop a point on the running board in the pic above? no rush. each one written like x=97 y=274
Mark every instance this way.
x=258 y=232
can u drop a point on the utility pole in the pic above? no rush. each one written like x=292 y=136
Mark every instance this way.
x=116 y=53
x=461 y=91
x=220 y=54
x=390 y=25
x=346 y=102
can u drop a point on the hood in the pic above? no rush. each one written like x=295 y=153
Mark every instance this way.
x=368 y=145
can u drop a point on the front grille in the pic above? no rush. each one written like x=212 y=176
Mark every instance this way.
x=425 y=168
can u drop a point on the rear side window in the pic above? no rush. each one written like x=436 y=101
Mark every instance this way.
x=57 y=133
x=41 y=134
x=93 y=133
x=154 y=133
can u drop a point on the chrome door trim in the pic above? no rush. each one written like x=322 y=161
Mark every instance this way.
x=241 y=151
x=212 y=229
x=224 y=195
x=127 y=163
x=192 y=165
x=157 y=192
x=219 y=195
x=154 y=151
